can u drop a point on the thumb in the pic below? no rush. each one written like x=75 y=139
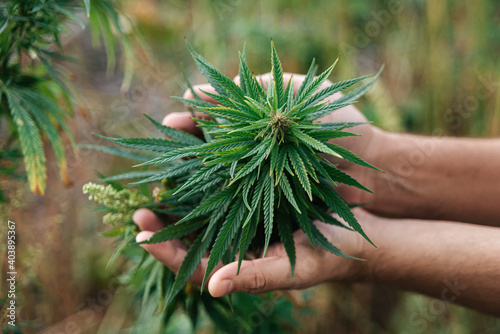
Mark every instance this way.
x=255 y=276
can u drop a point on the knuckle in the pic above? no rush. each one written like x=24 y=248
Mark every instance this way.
x=257 y=282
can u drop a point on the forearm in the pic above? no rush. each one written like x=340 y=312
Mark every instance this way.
x=439 y=178
x=454 y=262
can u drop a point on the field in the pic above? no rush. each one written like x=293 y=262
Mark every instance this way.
x=441 y=78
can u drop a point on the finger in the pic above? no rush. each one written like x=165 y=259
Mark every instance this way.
x=237 y=80
x=171 y=253
x=182 y=121
x=256 y=276
x=198 y=89
x=147 y=220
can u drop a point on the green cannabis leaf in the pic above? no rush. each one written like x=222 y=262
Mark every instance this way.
x=31 y=91
x=153 y=284
x=260 y=161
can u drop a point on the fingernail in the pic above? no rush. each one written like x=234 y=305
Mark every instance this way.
x=143 y=236
x=225 y=287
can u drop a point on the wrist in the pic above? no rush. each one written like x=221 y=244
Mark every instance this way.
x=370 y=255
x=357 y=246
x=389 y=186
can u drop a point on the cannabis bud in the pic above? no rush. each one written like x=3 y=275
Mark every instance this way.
x=258 y=175
x=121 y=204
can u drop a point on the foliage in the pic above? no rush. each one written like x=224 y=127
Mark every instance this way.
x=35 y=98
x=150 y=281
x=260 y=159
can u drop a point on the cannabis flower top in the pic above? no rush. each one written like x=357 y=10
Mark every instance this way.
x=258 y=175
x=120 y=203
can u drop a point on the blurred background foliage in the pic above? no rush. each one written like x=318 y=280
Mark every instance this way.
x=442 y=77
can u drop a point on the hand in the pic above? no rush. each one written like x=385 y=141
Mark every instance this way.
x=312 y=266
x=273 y=272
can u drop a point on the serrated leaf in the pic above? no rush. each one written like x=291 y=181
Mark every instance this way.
x=177 y=170
x=330 y=90
x=314 y=85
x=193 y=103
x=286 y=236
x=280 y=163
x=46 y=126
x=307 y=80
x=213 y=202
x=300 y=170
x=248 y=186
x=287 y=190
x=259 y=108
x=289 y=94
x=117 y=151
x=314 y=143
x=31 y=145
x=251 y=222
x=229 y=113
x=303 y=220
x=217 y=145
x=151 y=280
x=277 y=72
x=192 y=260
x=348 y=98
x=327 y=109
x=129 y=175
x=337 y=204
x=226 y=234
x=251 y=165
x=121 y=247
x=268 y=206
x=326 y=135
x=175 y=134
x=202 y=65
x=339 y=176
x=323 y=242
x=146 y=144
x=203 y=173
x=173 y=231
x=221 y=83
x=302 y=151
x=175 y=154
x=328 y=219
x=349 y=156
x=248 y=80
x=339 y=125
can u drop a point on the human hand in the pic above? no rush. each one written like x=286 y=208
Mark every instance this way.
x=313 y=265
x=309 y=259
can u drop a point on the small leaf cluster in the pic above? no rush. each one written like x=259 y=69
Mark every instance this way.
x=260 y=173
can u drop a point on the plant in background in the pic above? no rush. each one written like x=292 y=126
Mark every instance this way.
x=258 y=174
x=35 y=98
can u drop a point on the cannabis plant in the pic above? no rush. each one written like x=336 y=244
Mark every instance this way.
x=35 y=97
x=258 y=174
x=149 y=281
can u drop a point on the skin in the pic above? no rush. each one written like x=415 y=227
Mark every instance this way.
x=426 y=178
